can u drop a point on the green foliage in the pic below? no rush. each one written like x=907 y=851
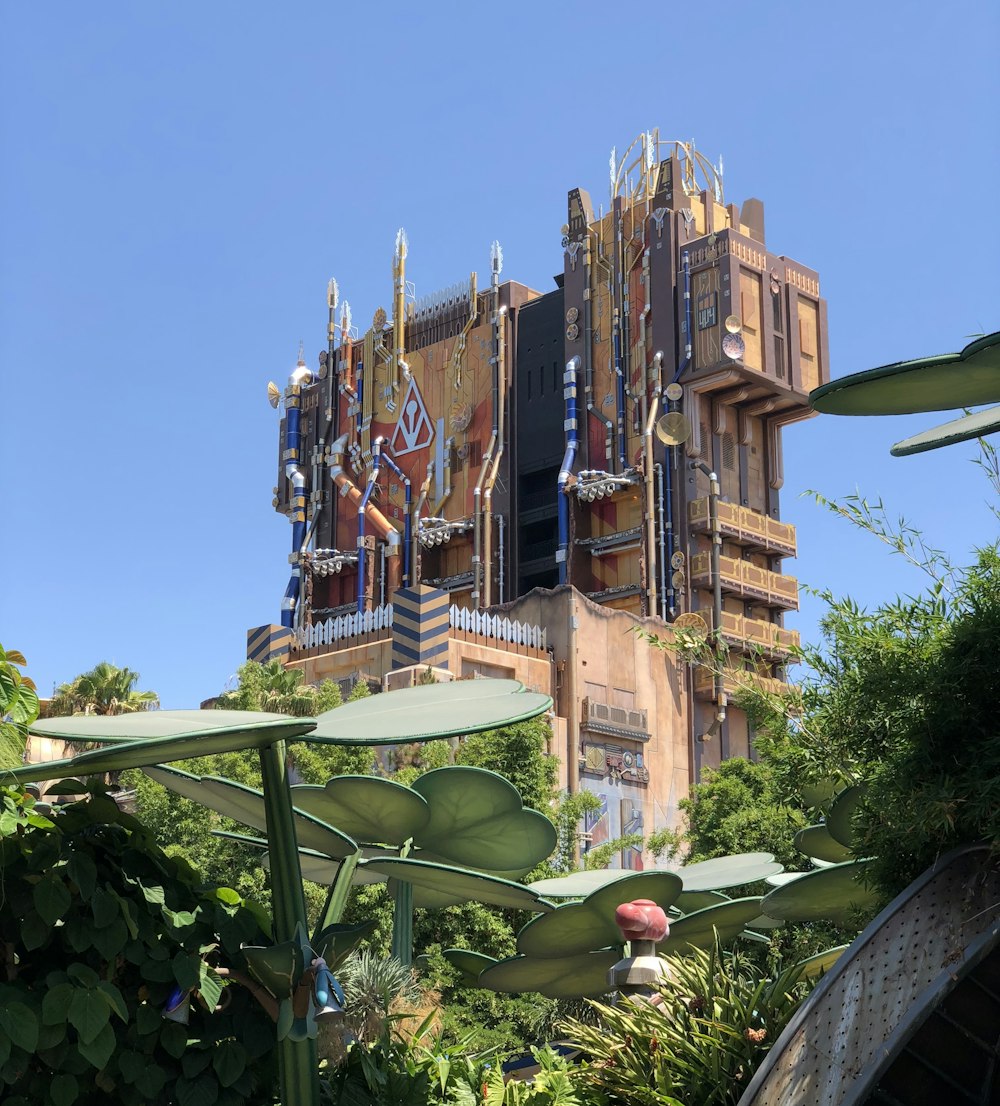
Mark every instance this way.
x=740 y=807
x=698 y=1044
x=104 y=689
x=18 y=707
x=272 y=687
x=99 y=926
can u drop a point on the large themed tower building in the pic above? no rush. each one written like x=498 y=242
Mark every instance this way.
x=493 y=480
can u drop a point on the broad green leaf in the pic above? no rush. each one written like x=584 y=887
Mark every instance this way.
x=366 y=808
x=816 y=841
x=477 y=820
x=113 y=997
x=89 y=1012
x=840 y=820
x=726 y=919
x=19 y=1023
x=51 y=898
x=187 y=970
x=202 y=1091
x=583 y=926
x=466 y=885
x=83 y=872
x=246 y=805
x=728 y=871
x=429 y=712
x=578 y=885
x=337 y=941
x=99 y=1050
x=581 y=976
x=63 y=1089
x=944 y=382
x=83 y=974
x=229 y=1060
x=470 y=964
x=830 y=894
x=55 y=1003
x=152 y=737
x=151 y=1080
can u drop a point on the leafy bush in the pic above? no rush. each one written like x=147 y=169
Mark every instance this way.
x=701 y=1041
x=99 y=928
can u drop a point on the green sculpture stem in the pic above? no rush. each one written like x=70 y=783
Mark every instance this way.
x=298 y=1060
x=337 y=896
x=402 y=921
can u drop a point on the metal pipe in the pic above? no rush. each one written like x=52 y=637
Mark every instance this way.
x=297 y=499
x=647 y=439
x=660 y=541
x=569 y=458
x=480 y=528
x=362 y=507
x=425 y=487
x=407 y=522
x=399 y=307
x=686 y=269
x=620 y=389
x=571 y=708
x=350 y=491
x=500 y=397
x=500 y=559
x=714 y=490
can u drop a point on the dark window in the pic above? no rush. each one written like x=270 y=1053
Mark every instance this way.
x=779 y=357
x=555 y=376
x=528 y=380
x=776 y=308
x=541 y=380
x=728 y=452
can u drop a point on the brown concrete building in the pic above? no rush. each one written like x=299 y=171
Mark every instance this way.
x=513 y=482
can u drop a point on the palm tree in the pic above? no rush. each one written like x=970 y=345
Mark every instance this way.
x=105 y=689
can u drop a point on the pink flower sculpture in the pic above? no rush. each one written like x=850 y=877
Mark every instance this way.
x=641 y=920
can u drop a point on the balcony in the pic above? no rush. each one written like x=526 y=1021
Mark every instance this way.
x=750 y=528
x=746 y=580
x=735 y=680
x=750 y=635
x=615 y=721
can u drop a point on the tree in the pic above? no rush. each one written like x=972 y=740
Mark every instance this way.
x=105 y=689
x=272 y=687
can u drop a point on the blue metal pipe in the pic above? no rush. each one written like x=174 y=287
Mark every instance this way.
x=569 y=459
x=407 y=522
x=669 y=452
x=362 y=507
x=297 y=500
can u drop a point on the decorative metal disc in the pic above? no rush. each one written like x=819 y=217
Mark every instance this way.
x=734 y=324
x=674 y=392
x=673 y=428
x=378 y=319
x=572 y=332
x=677 y=560
x=678 y=580
x=572 y=315
x=733 y=346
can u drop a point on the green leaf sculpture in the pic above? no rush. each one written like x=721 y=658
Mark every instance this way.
x=470 y=964
x=246 y=804
x=830 y=894
x=580 y=927
x=457 y=884
x=728 y=871
x=368 y=808
x=584 y=975
x=841 y=817
x=430 y=712
x=818 y=843
x=944 y=382
x=699 y=929
x=477 y=820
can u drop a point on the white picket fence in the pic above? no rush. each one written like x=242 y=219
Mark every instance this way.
x=347 y=626
x=494 y=626
x=379 y=622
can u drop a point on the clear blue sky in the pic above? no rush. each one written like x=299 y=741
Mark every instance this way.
x=179 y=181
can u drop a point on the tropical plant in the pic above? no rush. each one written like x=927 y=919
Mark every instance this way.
x=102 y=933
x=104 y=689
x=273 y=687
x=698 y=1042
x=18 y=707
